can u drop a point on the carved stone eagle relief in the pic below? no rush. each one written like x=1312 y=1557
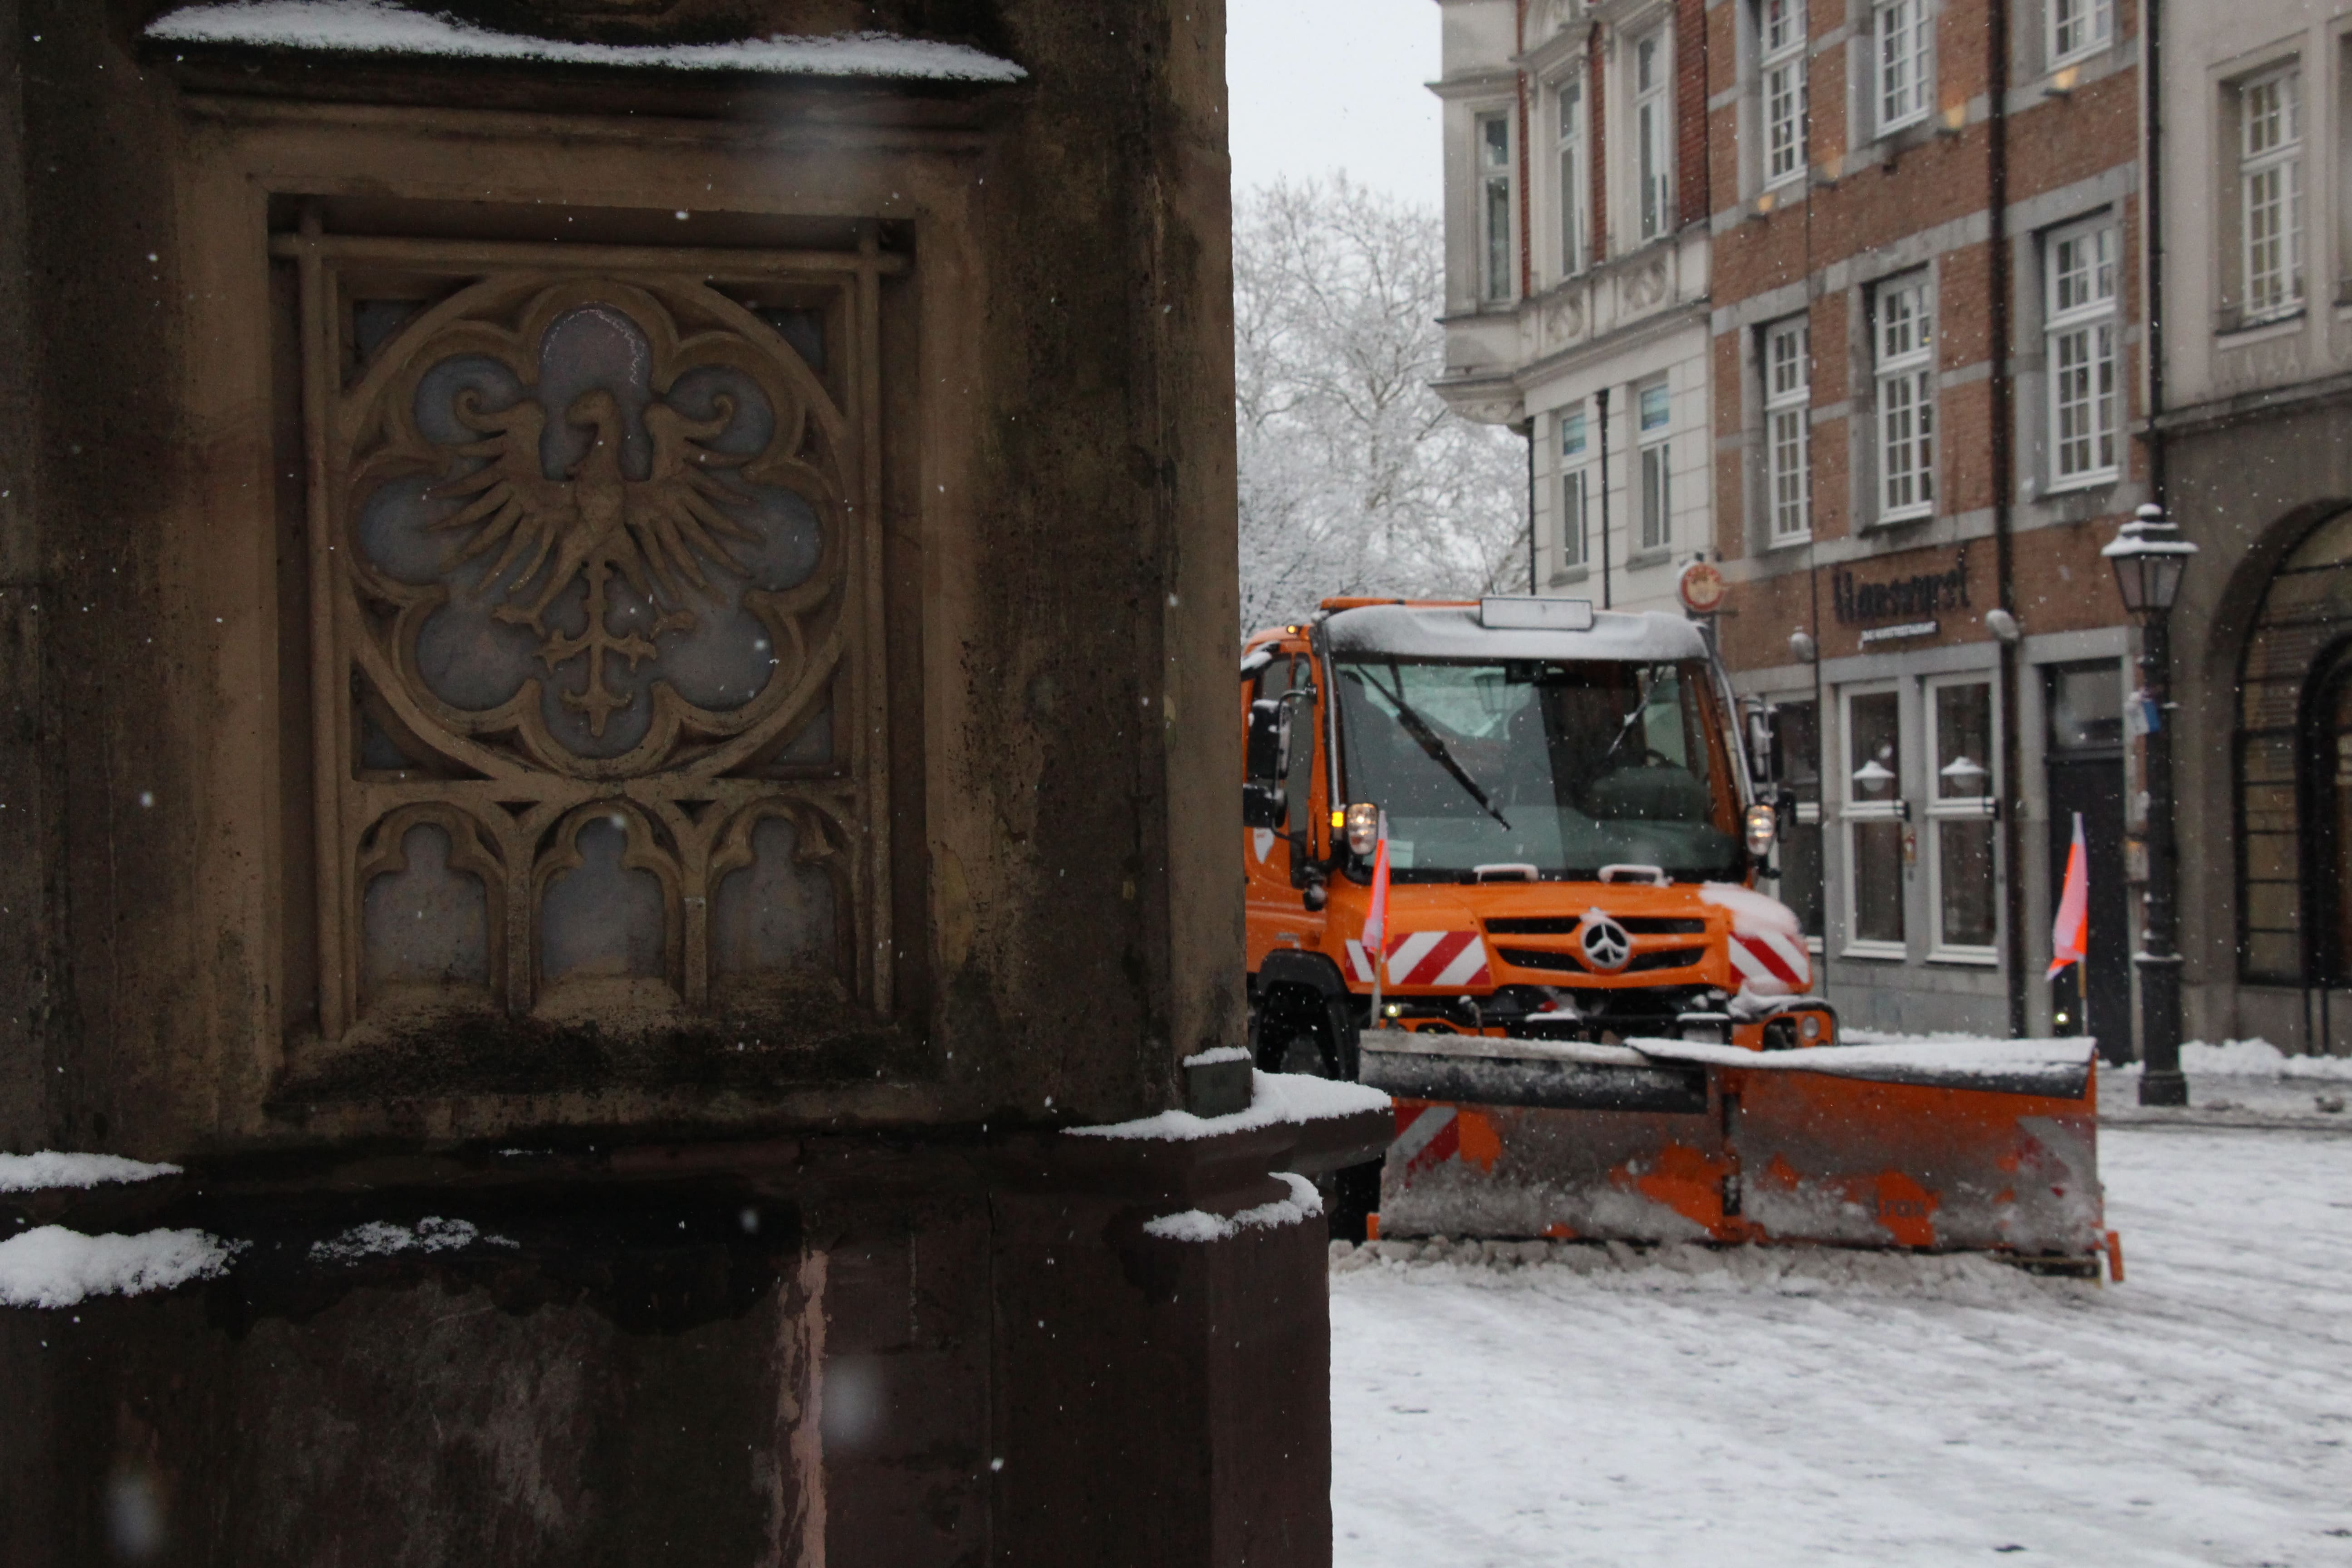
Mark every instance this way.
x=597 y=599
x=603 y=543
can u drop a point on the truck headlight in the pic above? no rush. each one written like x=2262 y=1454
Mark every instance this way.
x=1763 y=826
x=1363 y=827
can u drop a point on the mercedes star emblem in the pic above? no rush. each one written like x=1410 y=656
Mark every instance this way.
x=1606 y=946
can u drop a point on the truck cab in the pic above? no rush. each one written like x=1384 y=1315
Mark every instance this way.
x=1572 y=836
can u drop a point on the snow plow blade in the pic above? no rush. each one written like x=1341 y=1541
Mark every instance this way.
x=1942 y=1146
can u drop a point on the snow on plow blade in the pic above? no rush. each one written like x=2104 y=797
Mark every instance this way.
x=1951 y=1146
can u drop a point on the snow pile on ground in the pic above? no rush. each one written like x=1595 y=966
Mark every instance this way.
x=1275 y=1098
x=1198 y=1225
x=381 y=1238
x=2248 y=1058
x=1688 y=1268
x=377 y=26
x=1836 y=1410
x=54 y=1266
x=50 y=1168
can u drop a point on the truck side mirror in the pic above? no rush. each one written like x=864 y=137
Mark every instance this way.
x=1263 y=756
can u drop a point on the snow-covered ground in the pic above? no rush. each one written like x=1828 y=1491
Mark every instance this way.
x=1819 y=1409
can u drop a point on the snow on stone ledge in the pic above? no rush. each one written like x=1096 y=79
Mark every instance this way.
x=379 y=27
x=1275 y=1098
x=1199 y=1224
x=381 y=1238
x=53 y=1266
x=49 y=1168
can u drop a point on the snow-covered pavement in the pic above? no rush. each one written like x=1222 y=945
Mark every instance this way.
x=1816 y=1409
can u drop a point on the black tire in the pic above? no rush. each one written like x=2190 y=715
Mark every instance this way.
x=1351 y=1197
x=1294 y=1029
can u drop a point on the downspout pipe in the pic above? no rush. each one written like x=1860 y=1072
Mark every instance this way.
x=1601 y=401
x=2004 y=476
x=2151 y=204
x=1531 y=504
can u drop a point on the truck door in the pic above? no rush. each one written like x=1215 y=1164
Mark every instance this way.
x=1281 y=776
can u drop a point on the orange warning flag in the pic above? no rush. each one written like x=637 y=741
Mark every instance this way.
x=2070 y=932
x=1376 y=923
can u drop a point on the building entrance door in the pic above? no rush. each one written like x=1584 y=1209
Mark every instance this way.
x=2085 y=774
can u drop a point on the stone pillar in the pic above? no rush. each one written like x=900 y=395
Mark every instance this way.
x=620 y=714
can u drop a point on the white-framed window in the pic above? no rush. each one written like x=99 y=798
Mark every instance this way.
x=1962 y=802
x=1874 y=819
x=1654 y=137
x=1781 y=74
x=2079 y=351
x=1497 y=274
x=1788 y=431
x=2079 y=26
x=1655 y=406
x=2270 y=194
x=1902 y=36
x=1575 y=186
x=1903 y=334
x=1574 y=493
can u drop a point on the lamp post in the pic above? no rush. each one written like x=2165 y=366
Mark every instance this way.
x=2149 y=556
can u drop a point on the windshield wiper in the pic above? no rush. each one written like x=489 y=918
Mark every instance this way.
x=1434 y=749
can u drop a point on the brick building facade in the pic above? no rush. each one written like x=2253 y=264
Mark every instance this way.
x=1908 y=230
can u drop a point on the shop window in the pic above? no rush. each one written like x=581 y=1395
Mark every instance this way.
x=1795 y=731
x=1874 y=817
x=1961 y=807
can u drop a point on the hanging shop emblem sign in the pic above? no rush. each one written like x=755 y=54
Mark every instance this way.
x=1914 y=599
x=1702 y=588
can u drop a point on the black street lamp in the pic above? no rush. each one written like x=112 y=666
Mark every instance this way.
x=2148 y=556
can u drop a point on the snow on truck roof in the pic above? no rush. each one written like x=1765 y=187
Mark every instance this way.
x=1456 y=631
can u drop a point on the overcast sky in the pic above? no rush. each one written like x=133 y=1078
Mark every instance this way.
x=1319 y=85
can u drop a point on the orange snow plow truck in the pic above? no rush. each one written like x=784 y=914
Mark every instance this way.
x=1593 y=1025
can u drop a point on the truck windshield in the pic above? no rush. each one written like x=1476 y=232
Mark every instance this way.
x=1565 y=767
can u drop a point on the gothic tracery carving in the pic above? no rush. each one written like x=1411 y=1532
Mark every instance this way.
x=597 y=600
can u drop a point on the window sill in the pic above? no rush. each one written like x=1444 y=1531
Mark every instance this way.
x=1656 y=555
x=1904 y=519
x=2076 y=484
x=2241 y=334
x=1969 y=957
x=1560 y=579
x=1791 y=541
x=1877 y=952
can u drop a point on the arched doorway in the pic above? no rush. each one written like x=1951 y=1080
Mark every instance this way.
x=2326 y=755
x=2294 y=769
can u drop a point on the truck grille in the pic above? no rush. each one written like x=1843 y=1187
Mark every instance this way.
x=1558 y=925
x=1535 y=958
x=1672 y=958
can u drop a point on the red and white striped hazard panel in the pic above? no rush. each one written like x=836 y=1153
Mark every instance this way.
x=1426 y=1135
x=1772 y=963
x=1427 y=958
